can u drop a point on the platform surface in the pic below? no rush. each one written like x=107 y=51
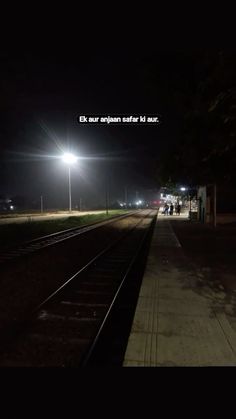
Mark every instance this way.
x=177 y=321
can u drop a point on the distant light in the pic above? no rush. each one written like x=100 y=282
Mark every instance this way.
x=69 y=158
x=183 y=189
x=11 y=207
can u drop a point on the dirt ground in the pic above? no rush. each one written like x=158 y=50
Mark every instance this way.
x=211 y=250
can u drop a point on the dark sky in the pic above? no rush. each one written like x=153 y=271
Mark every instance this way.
x=43 y=92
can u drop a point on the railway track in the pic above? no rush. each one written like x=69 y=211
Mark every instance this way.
x=52 y=239
x=66 y=327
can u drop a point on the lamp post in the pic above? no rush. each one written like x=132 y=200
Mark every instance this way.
x=41 y=203
x=126 y=197
x=69 y=159
x=69 y=189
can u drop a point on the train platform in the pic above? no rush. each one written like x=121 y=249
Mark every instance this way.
x=178 y=321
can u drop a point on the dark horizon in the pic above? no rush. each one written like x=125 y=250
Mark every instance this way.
x=42 y=96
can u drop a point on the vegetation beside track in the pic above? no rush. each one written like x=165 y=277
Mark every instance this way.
x=13 y=234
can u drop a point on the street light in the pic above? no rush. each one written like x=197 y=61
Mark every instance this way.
x=69 y=159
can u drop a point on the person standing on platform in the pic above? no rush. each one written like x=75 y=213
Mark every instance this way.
x=178 y=209
x=166 y=209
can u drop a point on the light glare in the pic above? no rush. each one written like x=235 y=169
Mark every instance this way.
x=69 y=158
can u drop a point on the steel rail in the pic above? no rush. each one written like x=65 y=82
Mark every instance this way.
x=94 y=343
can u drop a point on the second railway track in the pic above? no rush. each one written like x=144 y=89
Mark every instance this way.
x=39 y=243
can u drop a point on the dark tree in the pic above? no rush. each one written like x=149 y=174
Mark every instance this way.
x=207 y=150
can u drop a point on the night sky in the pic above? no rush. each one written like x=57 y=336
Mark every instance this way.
x=44 y=91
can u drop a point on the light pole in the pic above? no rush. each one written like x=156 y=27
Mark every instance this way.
x=41 y=203
x=69 y=159
x=69 y=189
x=126 y=197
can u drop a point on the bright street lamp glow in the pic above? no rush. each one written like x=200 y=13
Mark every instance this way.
x=183 y=189
x=69 y=158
